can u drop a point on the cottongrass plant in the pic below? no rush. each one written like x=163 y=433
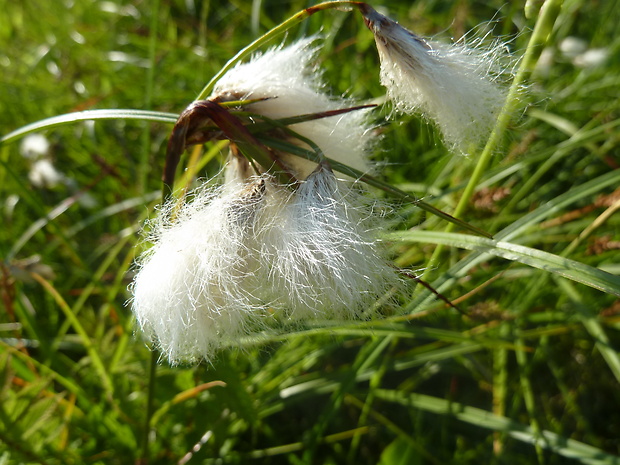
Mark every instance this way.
x=283 y=237
x=456 y=86
x=226 y=260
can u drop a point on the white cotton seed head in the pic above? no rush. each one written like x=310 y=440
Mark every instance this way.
x=194 y=289
x=317 y=252
x=43 y=174
x=292 y=86
x=238 y=252
x=591 y=58
x=34 y=146
x=456 y=86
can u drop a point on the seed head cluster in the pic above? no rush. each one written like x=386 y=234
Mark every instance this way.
x=224 y=262
x=232 y=258
x=456 y=86
x=286 y=78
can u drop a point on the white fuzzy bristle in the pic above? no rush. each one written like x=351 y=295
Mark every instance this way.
x=224 y=261
x=292 y=86
x=240 y=249
x=455 y=86
x=318 y=254
x=193 y=291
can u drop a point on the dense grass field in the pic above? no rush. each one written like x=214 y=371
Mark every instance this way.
x=526 y=371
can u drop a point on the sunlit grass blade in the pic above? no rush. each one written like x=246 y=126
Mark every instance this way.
x=370 y=180
x=431 y=353
x=366 y=357
x=88 y=115
x=45 y=217
x=584 y=137
x=112 y=425
x=527 y=394
x=563 y=446
x=561 y=266
x=544 y=24
x=182 y=397
x=402 y=435
x=79 y=329
x=592 y=324
x=270 y=35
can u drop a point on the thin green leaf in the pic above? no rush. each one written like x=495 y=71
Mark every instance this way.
x=70 y=118
x=475 y=416
x=561 y=266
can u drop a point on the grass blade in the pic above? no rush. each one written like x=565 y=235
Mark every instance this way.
x=560 y=445
x=70 y=118
x=561 y=266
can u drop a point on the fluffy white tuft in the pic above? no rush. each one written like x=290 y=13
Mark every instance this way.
x=43 y=174
x=236 y=251
x=318 y=255
x=34 y=146
x=456 y=86
x=194 y=289
x=292 y=86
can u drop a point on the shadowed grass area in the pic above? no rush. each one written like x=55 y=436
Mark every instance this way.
x=526 y=373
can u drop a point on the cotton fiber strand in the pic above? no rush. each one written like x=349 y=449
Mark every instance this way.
x=292 y=86
x=456 y=86
x=319 y=254
x=194 y=288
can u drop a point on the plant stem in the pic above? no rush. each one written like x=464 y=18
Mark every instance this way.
x=542 y=29
x=269 y=35
x=143 y=167
x=150 y=396
x=151 y=373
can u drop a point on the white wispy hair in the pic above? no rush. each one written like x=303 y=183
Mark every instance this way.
x=239 y=250
x=291 y=85
x=194 y=289
x=253 y=247
x=318 y=254
x=456 y=86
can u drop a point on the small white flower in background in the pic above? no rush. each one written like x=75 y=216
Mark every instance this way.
x=456 y=86
x=572 y=46
x=43 y=174
x=34 y=146
x=578 y=52
x=222 y=262
x=591 y=58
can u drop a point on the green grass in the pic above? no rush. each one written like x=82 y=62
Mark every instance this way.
x=527 y=373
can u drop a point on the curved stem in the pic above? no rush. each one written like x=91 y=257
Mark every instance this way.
x=269 y=35
x=544 y=25
x=150 y=397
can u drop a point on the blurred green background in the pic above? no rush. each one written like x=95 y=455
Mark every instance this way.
x=527 y=374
